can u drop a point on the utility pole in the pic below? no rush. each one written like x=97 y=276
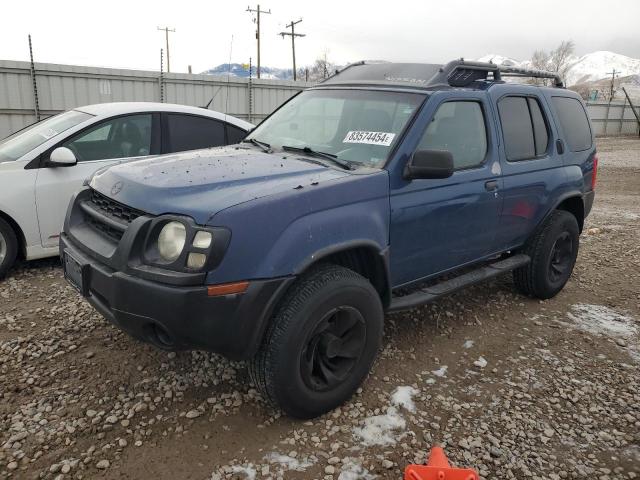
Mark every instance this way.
x=166 y=34
x=257 y=11
x=615 y=73
x=293 y=34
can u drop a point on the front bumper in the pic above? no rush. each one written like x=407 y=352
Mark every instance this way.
x=178 y=317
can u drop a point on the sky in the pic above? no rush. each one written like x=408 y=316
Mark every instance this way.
x=123 y=34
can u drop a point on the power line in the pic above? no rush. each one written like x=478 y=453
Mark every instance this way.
x=293 y=35
x=257 y=11
x=166 y=34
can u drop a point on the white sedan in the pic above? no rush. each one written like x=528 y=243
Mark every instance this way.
x=43 y=165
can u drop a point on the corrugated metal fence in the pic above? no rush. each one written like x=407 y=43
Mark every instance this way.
x=614 y=118
x=62 y=87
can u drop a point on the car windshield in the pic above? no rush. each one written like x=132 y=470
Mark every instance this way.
x=357 y=126
x=20 y=143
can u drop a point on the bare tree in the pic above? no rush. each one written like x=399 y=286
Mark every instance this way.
x=322 y=68
x=556 y=61
x=561 y=58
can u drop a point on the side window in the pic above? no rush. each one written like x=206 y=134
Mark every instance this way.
x=235 y=134
x=523 y=127
x=458 y=127
x=121 y=137
x=574 y=123
x=189 y=132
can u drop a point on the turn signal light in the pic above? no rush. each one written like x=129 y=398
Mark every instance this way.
x=227 y=288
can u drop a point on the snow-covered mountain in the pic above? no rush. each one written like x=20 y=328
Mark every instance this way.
x=239 y=70
x=598 y=65
x=587 y=68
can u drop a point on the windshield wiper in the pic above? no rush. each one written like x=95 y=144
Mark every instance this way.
x=316 y=153
x=263 y=145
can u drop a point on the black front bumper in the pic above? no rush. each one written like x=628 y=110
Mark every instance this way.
x=179 y=317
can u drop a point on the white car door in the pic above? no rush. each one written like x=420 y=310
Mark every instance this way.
x=112 y=141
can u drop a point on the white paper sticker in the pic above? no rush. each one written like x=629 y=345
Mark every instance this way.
x=371 y=138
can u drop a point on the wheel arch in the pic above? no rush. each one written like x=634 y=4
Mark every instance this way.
x=363 y=257
x=22 y=242
x=573 y=204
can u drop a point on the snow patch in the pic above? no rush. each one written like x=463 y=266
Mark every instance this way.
x=602 y=320
x=248 y=471
x=289 y=463
x=403 y=397
x=384 y=429
x=481 y=362
x=352 y=470
x=467 y=344
x=441 y=372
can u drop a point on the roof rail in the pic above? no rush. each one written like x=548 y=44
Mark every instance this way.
x=531 y=73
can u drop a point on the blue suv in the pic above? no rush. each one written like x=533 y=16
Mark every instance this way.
x=380 y=189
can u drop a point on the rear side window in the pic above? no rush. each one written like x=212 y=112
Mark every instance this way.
x=524 y=128
x=188 y=132
x=574 y=123
x=459 y=128
x=235 y=134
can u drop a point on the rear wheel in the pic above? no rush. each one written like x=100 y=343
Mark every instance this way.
x=8 y=247
x=553 y=250
x=321 y=343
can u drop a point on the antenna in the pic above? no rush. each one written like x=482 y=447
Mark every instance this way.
x=226 y=106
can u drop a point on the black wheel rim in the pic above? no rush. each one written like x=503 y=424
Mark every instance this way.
x=333 y=349
x=561 y=257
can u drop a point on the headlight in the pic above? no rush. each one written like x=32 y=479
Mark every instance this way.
x=171 y=241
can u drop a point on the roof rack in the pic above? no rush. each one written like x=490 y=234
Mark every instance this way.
x=457 y=73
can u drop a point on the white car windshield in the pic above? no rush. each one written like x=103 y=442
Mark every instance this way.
x=359 y=127
x=22 y=142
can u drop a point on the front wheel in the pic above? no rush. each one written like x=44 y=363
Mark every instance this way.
x=553 y=250
x=321 y=342
x=8 y=247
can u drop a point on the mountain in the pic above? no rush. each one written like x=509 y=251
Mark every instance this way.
x=239 y=70
x=599 y=65
x=587 y=68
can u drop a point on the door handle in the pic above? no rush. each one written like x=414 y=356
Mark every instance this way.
x=491 y=185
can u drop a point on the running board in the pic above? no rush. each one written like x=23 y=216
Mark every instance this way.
x=429 y=294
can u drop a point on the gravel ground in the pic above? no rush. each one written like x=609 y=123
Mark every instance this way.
x=514 y=387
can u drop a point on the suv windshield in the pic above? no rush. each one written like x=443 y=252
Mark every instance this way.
x=15 y=146
x=357 y=126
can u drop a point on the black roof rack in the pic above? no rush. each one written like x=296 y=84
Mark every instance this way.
x=458 y=73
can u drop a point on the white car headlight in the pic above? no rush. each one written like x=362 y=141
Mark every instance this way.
x=171 y=241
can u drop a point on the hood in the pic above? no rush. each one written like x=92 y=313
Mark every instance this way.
x=201 y=183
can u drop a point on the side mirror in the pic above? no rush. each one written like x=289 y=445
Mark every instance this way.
x=62 y=157
x=429 y=164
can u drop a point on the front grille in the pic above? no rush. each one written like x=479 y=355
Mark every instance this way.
x=103 y=209
x=113 y=209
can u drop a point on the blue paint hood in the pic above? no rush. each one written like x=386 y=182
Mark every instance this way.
x=201 y=183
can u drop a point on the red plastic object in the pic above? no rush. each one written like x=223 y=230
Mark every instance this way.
x=438 y=468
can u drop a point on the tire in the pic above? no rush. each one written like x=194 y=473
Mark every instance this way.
x=8 y=247
x=553 y=250
x=321 y=342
